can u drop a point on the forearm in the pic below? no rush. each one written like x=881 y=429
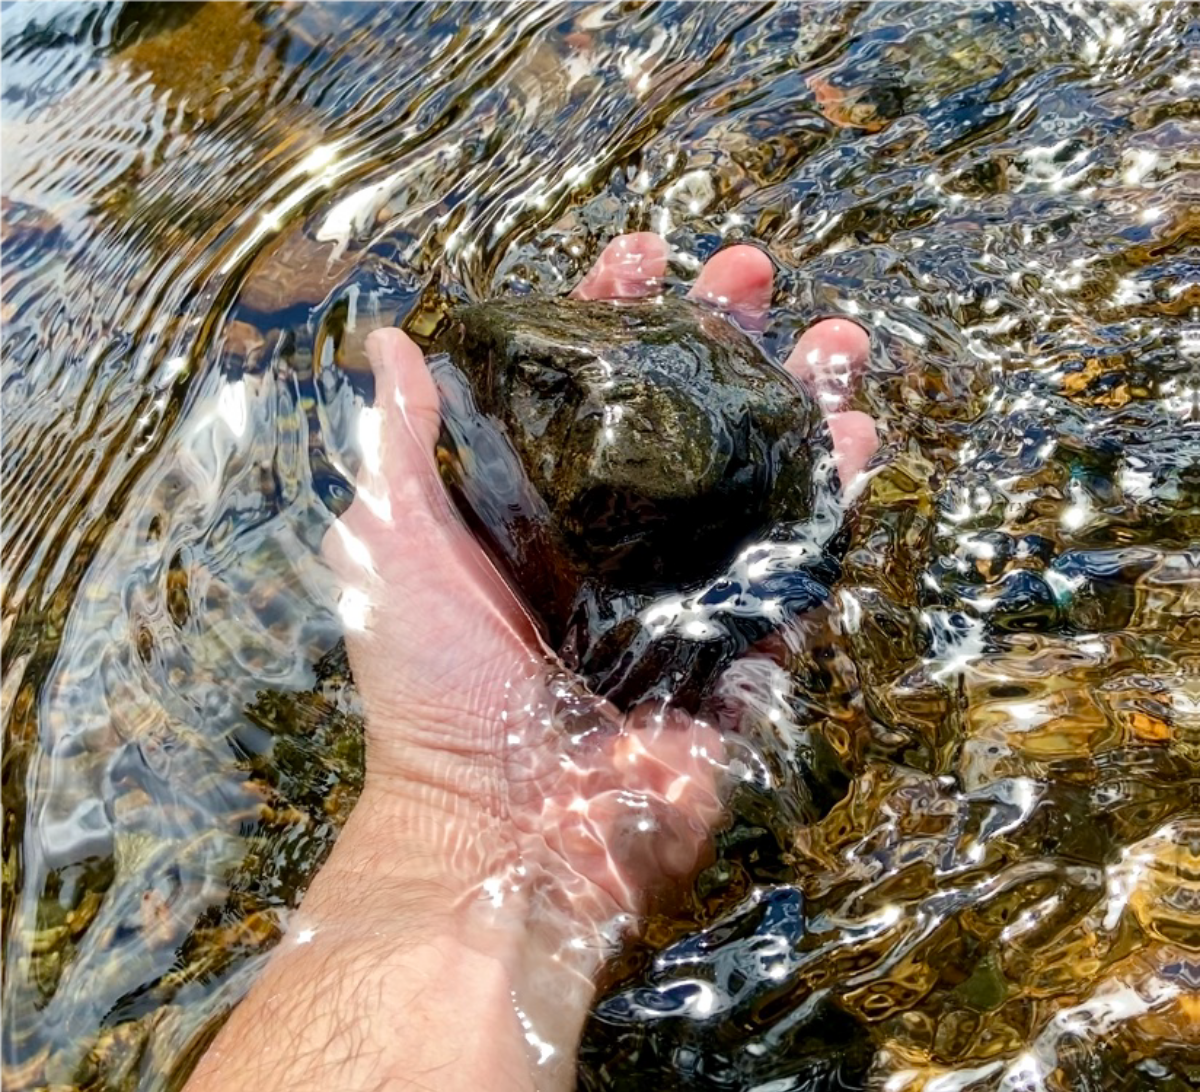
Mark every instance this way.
x=342 y=1014
x=382 y=982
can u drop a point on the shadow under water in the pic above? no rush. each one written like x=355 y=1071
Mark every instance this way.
x=964 y=851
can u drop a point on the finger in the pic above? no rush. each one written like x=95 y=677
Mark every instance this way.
x=646 y=840
x=398 y=482
x=643 y=814
x=397 y=435
x=666 y=752
x=739 y=280
x=400 y=548
x=828 y=357
x=404 y=387
x=854 y=442
x=630 y=267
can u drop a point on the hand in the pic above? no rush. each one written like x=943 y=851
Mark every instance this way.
x=466 y=720
x=511 y=822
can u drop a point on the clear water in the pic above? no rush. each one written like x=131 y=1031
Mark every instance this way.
x=964 y=850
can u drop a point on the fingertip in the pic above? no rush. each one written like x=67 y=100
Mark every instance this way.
x=827 y=357
x=855 y=440
x=388 y=350
x=630 y=266
x=740 y=280
x=845 y=338
x=379 y=341
x=647 y=247
x=401 y=378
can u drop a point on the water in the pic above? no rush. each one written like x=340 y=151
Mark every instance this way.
x=963 y=849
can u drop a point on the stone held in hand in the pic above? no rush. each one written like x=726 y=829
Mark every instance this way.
x=610 y=451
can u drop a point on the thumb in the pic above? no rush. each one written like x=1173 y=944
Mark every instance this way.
x=413 y=583
x=398 y=493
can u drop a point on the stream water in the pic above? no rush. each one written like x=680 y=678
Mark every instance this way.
x=969 y=857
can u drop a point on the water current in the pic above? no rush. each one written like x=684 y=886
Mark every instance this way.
x=964 y=847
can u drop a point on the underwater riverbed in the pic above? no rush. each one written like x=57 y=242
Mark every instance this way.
x=968 y=855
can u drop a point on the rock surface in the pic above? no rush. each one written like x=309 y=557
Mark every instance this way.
x=609 y=451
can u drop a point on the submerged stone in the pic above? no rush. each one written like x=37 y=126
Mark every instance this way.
x=611 y=452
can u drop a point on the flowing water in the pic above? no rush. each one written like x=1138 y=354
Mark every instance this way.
x=965 y=851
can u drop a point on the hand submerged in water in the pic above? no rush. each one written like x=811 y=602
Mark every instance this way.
x=510 y=823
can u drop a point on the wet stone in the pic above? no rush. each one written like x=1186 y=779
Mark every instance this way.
x=611 y=453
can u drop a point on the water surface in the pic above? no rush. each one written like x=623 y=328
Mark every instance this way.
x=973 y=824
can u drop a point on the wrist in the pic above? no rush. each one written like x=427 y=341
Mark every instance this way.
x=363 y=1010
x=405 y=888
x=401 y=866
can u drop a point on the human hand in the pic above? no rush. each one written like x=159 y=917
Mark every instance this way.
x=511 y=822
x=536 y=802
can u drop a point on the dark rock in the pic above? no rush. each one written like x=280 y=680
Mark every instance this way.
x=657 y=434
x=609 y=452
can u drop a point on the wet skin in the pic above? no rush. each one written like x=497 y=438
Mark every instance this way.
x=510 y=820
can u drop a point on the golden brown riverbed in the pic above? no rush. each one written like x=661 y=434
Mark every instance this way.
x=965 y=845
